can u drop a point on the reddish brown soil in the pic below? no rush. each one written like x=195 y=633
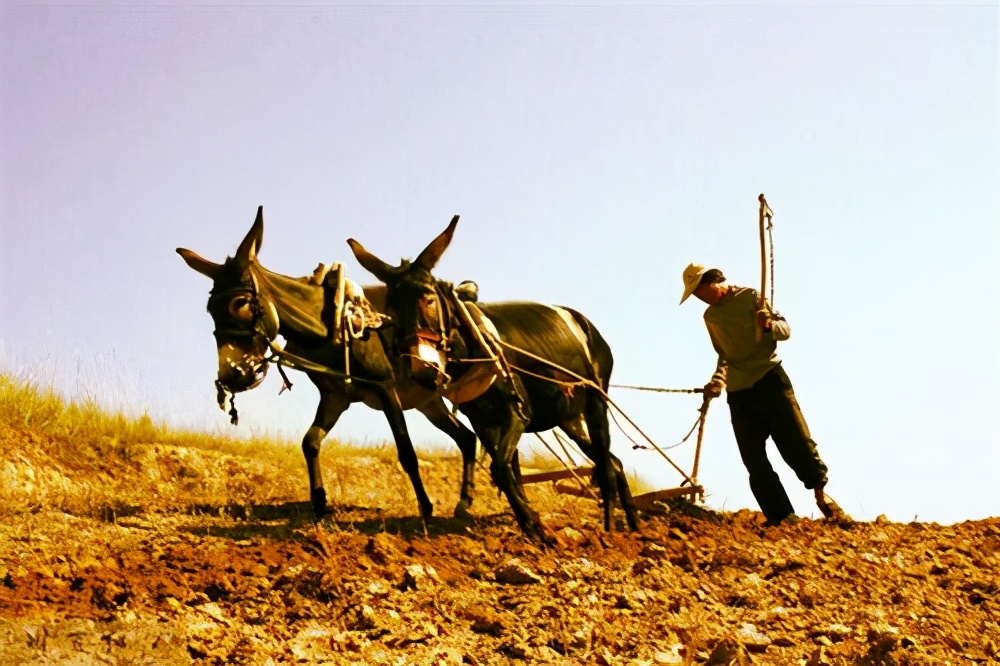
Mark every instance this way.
x=372 y=587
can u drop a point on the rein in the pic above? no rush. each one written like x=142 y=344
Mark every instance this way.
x=583 y=381
x=493 y=347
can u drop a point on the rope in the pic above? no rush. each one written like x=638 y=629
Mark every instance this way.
x=581 y=381
x=299 y=363
x=562 y=444
x=635 y=445
x=583 y=485
x=285 y=382
x=656 y=389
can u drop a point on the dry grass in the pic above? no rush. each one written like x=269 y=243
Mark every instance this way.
x=78 y=458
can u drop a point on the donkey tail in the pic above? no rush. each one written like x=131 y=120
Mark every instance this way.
x=599 y=357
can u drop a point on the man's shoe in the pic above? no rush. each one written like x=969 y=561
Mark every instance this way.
x=790 y=519
x=829 y=508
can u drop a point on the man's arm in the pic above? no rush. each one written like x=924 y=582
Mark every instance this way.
x=774 y=323
x=716 y=385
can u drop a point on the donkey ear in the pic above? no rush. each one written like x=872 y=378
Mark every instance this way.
x=370 y=262
x=248 y=249
x=432 y=253
x=199 y=263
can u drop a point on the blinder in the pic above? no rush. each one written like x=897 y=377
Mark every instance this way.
x=262 y=323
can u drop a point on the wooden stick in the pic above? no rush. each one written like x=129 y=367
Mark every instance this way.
x=647 y=499
x=556 y=475
x=765 y=212
x=697 y=448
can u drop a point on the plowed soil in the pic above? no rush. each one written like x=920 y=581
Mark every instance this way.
x=256 y=584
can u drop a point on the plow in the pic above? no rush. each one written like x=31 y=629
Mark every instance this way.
x=574 y=480
x=688 y=486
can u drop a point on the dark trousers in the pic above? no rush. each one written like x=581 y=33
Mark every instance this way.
x=769 y=409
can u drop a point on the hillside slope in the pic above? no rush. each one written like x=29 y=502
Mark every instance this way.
x=161 y=552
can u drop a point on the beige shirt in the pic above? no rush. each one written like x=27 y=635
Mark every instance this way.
x=732 y=326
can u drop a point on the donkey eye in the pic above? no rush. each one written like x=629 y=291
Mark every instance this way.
x=239 y=307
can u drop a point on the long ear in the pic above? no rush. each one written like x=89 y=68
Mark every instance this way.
x=199 y=263
x=248 y=249
x=370 y=262
x=432 y=253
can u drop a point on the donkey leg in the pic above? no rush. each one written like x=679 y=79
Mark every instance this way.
x=596 y=416
x=576 y=429
x=331 y=405
x=515 y=466
x=621 y=481
x=393 y=411
x=437 y=413
x=501 y=469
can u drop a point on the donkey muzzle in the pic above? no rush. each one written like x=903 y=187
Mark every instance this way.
x=427 y=361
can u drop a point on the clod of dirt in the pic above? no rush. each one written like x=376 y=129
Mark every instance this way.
x=675 y=655
x=752 y=640
x=418 y=575
x=567 y=536
x=514 y=572
x=818 y=658
x=728 y=653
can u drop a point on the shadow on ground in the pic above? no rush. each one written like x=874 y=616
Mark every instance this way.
x=292 y=520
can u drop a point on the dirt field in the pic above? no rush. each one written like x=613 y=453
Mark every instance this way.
x=160 y=553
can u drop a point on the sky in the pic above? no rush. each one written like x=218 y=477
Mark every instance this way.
x=592 y=152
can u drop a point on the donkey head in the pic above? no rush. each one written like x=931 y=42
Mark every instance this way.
x=419 y=314
x=245 y=319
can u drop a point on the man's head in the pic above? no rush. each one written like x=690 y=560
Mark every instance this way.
x=707 y=284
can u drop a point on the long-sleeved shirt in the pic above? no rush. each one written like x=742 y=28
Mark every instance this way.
x=732 y=326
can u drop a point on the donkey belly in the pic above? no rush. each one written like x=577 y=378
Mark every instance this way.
x=546 y=404
x=552 y=405
x=413 y=396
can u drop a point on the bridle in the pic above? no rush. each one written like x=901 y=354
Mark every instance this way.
x=264 y=316
x=263 y=325
x=439 y=340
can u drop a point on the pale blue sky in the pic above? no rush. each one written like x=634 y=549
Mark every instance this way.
x=592 y=152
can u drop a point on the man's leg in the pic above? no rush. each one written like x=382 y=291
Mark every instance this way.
x=793 y=440
x=751 y=437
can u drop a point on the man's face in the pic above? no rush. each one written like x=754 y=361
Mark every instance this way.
x=708 y=293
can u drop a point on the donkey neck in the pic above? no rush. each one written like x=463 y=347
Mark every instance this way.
x=299 y=304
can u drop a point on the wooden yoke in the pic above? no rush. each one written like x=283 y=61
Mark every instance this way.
x=765 y=212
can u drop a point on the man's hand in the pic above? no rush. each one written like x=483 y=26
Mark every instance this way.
x=764 y=319
x=713 y=389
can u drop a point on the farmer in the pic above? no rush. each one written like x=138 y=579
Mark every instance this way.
x=761 y=401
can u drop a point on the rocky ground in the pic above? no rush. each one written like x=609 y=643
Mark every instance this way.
x=237 y=582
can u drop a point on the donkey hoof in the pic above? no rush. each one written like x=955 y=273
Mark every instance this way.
x=426 y=511
x=462 y=510
x=546 y=540
x=319 y=502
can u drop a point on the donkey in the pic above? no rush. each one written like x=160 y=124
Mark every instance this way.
x=534 y=396
x=251 y=306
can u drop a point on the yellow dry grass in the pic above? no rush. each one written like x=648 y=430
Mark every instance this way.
x=80 y=459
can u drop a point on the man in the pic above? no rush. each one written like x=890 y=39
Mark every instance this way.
x=761 y=401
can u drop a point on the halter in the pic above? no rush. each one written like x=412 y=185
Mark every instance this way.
x=259 y=310
x=433 y=347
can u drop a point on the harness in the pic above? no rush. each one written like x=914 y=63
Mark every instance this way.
x=353 y=315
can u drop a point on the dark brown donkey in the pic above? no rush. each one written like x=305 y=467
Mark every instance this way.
x=251 y=306
x=537 y=395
